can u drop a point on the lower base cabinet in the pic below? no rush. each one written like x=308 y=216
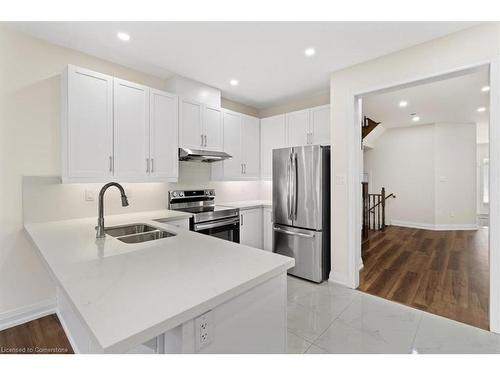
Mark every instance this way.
x=251 y=227
x=267 y=223
x=256 y=228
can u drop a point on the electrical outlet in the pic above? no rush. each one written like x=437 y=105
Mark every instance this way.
x=203 y=330
x=89 y=195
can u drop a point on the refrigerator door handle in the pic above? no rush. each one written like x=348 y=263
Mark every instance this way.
x=293 y=233
x=288 y=188
x=295 y=188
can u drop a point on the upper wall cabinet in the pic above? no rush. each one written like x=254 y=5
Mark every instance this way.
x=308 y=127
x=200 y=126
x=319 y=125
x=87 y=125
x=163 y=135
x=272 y=135
x=131 y=130
x=242 y=142
x=115 y=129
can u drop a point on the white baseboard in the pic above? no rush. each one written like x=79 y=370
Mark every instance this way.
x=437 y=227
x=66 y=330
x=338 y=278
x=27 y=313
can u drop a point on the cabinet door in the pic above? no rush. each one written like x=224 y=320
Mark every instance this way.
x=272 y=135
x=163 y=137
x=190 y=124
x=212 y=128
x=131 y=130
x=251 y=227
x=297 y=128
x=268 y=229
x=250 y=144
x=232 y=145
x=87 y=124
x=320 y=125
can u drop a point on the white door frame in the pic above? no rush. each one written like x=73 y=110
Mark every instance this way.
x=355 y=169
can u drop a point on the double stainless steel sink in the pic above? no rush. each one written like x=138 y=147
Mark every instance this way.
x=137 y=233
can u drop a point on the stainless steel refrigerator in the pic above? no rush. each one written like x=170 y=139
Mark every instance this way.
x=301 y=209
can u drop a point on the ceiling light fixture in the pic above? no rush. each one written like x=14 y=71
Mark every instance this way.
x=403 y=103
x=415 y=118
x=310 y=51
x=481 y=109
x=485 y=88
x=123 y=36
x=234 y=82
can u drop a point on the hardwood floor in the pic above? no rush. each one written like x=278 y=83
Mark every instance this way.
x=442 y=272
x=40 y=336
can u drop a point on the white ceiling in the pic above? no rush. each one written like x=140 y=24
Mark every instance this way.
x=452 y=100
x=267 y=58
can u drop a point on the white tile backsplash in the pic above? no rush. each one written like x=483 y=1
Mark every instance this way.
x=45 y=198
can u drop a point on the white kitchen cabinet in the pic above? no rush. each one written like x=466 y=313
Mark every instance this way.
x=250 y=147
x=131 y=131
x=115 y=129
x=297 y=128
x=320 y=125
x=190 y=124
x=272 y=135
x=267 y=222
x=212 y=128
x=251 y=227
x=163 y=140
x=242 y=142
x=232 y=169
x=200 y=126
x=86 y=125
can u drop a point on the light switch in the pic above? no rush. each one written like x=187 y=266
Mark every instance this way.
x=89 y=195
x=340 y=179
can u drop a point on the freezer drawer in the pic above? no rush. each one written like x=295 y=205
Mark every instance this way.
x=305 y=246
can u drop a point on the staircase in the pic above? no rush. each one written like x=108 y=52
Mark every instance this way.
x=367 y=126
x=373 y=210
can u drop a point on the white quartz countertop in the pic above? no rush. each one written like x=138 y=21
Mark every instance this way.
x=127 y=294
x=247 y=205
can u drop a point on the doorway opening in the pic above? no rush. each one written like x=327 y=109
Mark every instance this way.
x=425 y=194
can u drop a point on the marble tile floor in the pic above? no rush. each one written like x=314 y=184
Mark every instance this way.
x=330 y=318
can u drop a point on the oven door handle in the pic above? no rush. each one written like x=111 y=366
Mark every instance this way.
x=217 y=224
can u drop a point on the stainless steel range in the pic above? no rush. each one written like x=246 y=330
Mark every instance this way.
x=218 y=221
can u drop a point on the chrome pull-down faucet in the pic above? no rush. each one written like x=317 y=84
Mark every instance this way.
x=100 y=219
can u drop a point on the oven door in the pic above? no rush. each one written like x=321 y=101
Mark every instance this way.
x=227 y=229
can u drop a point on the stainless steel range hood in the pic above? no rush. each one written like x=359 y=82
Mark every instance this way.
x=202 y=156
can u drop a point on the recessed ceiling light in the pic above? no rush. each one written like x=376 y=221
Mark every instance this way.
x=481 y=109
x=415 y=118
x=234 y=82
x=123 y=36
x=403 y=103
x=310 y=51
x=485 y=88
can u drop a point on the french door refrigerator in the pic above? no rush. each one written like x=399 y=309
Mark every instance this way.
x=301 y=209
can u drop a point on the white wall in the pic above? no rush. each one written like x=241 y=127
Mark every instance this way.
x=30 y=146
x=431 y=169
x=483 y=150
x=471 y=46
x=455 y=175
x=399 y=163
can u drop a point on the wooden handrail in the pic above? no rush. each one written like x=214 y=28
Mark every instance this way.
x=379 y=203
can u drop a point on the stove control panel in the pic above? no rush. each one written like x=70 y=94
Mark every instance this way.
x=191 y=194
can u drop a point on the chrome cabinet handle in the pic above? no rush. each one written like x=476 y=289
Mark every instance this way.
x=201 y=144
x=205 y=140
x=147 y=165
x=111 y=164
x=245 y=168
x=152 y=165
x=241 y=219
x=241 y=165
